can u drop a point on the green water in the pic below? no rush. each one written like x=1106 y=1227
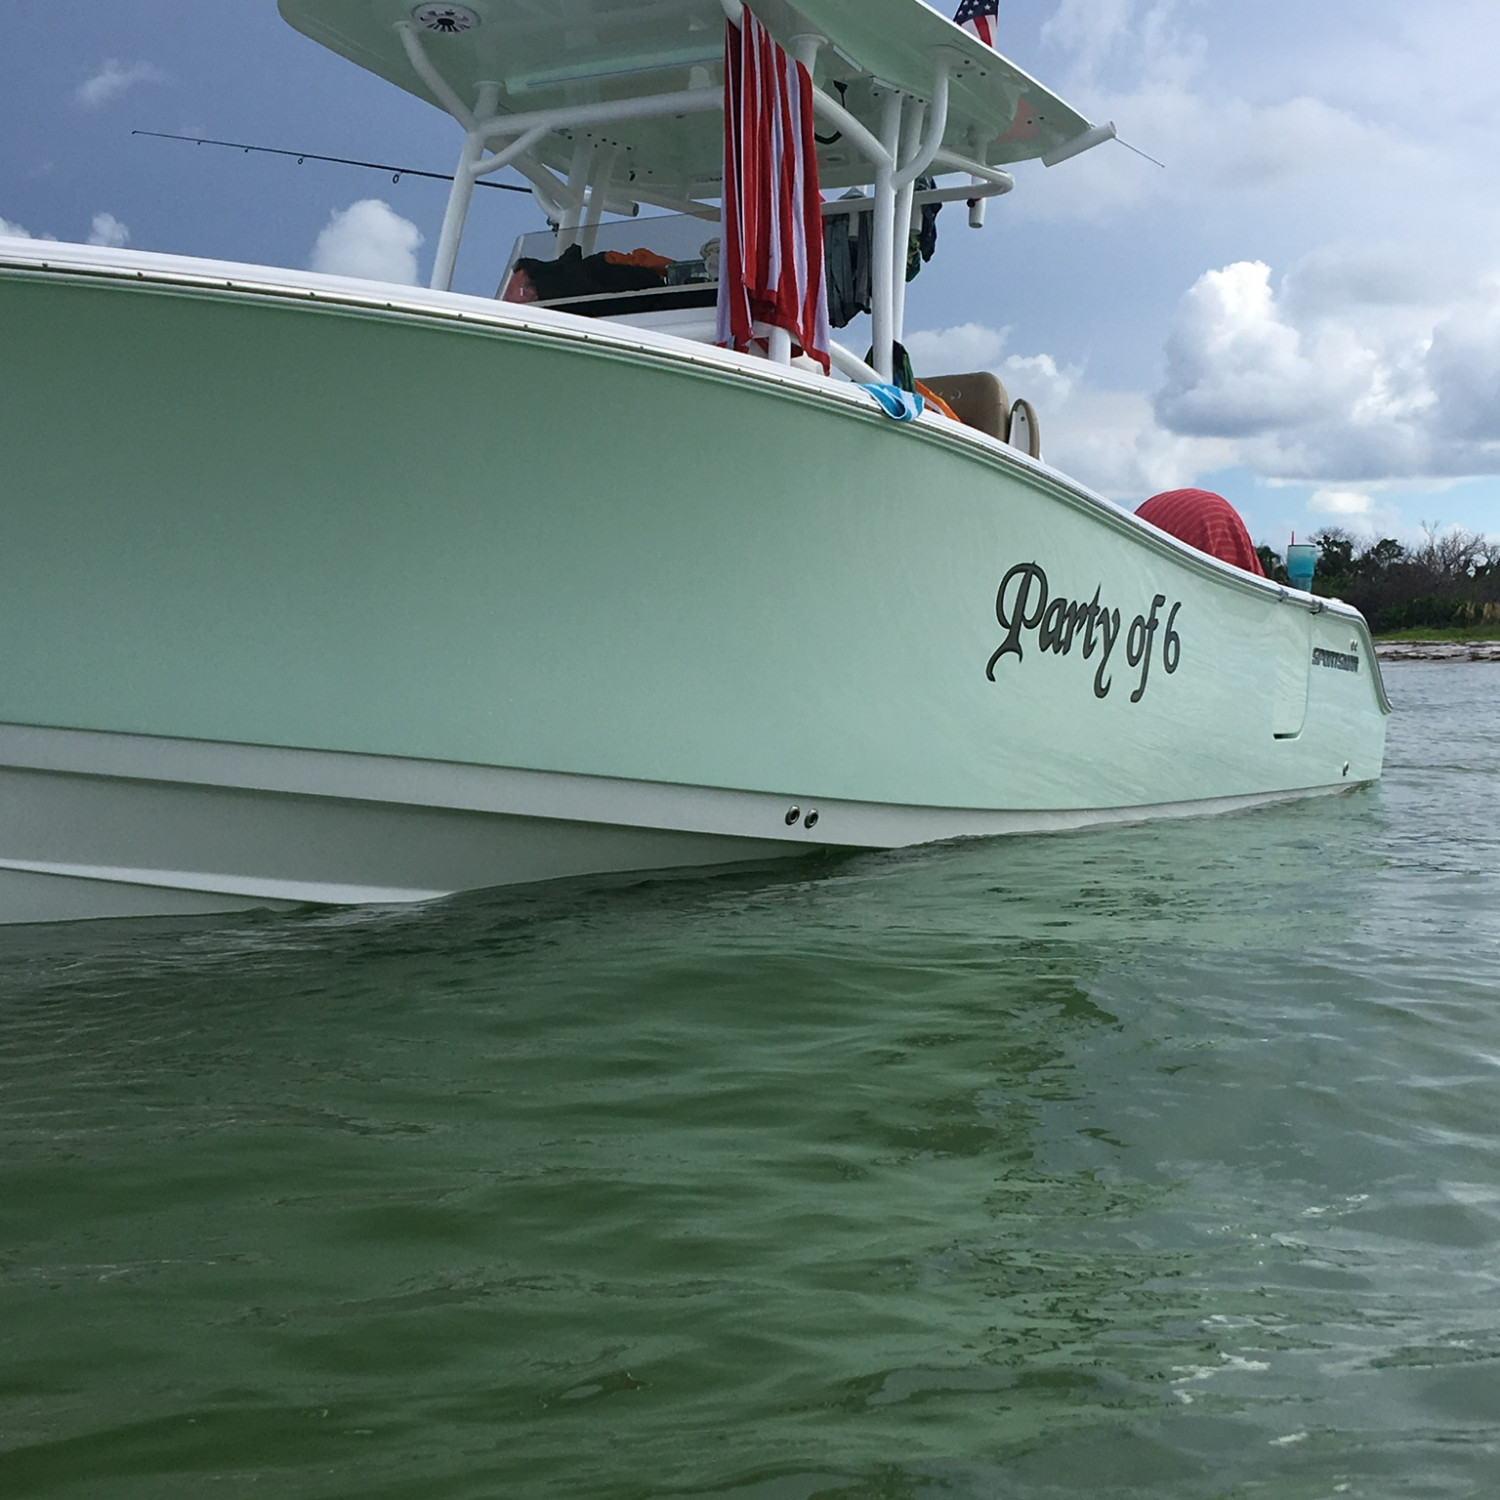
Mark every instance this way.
x=1160 y=1161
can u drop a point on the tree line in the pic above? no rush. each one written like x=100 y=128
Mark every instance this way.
x=1451 y=578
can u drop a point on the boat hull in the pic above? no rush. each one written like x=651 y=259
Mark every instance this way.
x=254 y=513
x=126 y=825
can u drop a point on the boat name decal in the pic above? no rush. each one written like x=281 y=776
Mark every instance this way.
x=1340 y=661
x=1025 y=604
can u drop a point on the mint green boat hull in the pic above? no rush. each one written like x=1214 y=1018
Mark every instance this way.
x=436 y=532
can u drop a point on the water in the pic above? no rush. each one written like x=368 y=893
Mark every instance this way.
x=1159 y=1161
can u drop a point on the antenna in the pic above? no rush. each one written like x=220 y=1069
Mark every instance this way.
x=397 y=173
x=1126 y=144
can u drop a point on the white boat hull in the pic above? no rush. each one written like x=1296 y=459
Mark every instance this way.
x=320 y=591
x=109 y=825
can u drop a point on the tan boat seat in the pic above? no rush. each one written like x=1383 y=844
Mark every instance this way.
x=978 y=399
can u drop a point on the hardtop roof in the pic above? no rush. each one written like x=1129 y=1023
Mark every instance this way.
x=552 y=53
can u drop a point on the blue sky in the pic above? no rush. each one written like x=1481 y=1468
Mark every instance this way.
x=1302 y=310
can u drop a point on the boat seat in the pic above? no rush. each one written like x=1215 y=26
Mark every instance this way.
x=978 y=400
x=1025 y=431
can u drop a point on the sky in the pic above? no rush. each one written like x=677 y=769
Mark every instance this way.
x=1300 y=310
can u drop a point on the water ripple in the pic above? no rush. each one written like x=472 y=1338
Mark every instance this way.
x=1147 y=1161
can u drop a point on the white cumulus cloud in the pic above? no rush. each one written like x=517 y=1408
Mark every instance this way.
x=17 y=232
x=1361 y=514
x=1040 y=378
x=1236 y=366
x=1312 y=287
x=1108 y=439
x=369 y=240
x=1112 y=441
x=113 y=79
x=952 y=351
x=1340 y=503
x=108 y=230
x=1368 y=385
x=1350 y=384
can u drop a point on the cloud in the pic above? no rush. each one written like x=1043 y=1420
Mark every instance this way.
x=1370 y=276
x=1139 y=39
x=1311 y=291
x=1304 y=145
x=369 y=240
x=1340 y=503
x=1297 y=156
x=1340 y=382
x=108 y=230
x=975 y=346
x=1041 y=378
x=113 y=79
x=1463 y=368
x=1089 y=30
x=1363 y=514
x=1373 y=383
x=16 y=232
x=966 y=346
x=1110 y=440
x=1235 y=366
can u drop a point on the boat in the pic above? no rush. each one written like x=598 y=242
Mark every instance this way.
x=322 y=590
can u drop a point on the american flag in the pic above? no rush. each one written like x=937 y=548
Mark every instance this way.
x=978 y=16
x=771 y=259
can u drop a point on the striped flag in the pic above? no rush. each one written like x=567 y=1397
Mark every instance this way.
x=771 y=259
x=979 y=16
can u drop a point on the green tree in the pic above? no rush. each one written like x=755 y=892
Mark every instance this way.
x=1335 y=551
x=1271 y=563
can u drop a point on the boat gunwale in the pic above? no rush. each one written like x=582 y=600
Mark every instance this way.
x=156 y=272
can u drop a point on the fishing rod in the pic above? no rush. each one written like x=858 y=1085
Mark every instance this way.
x=397 y=173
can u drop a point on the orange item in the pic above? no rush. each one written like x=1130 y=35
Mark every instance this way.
x=648 y=258
x=937 y=401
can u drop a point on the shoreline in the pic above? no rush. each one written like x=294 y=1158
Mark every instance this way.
x=1437 y=650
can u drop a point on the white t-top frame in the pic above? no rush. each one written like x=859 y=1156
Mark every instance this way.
x=908 y=144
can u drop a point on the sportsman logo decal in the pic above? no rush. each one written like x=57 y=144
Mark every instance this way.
x=1030 y=614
